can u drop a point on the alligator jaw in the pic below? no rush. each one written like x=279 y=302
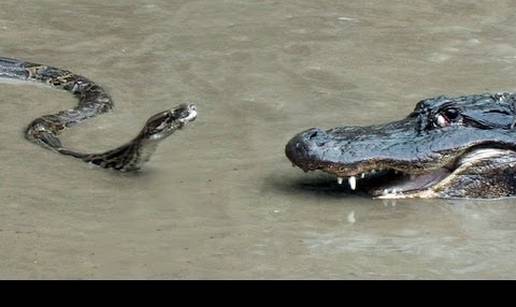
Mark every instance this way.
x=440 y=182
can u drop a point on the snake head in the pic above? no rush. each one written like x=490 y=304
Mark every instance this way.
x=163 y=124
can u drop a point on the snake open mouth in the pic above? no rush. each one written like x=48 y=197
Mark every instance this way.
x=188 y=114
x=462 y=147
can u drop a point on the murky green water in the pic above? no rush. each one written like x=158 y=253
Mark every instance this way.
x=219 y=199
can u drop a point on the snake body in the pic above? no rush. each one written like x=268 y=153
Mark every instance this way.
x=92 y=101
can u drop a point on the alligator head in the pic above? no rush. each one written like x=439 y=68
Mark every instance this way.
x=460 y=147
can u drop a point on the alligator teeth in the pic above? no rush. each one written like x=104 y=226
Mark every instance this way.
x=362 y=175
x=352 y=182
x=340 y=180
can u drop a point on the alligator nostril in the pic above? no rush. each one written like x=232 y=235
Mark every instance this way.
x=316 y=136
x=305 y=145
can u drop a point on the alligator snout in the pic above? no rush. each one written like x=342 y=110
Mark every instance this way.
x=306 y=145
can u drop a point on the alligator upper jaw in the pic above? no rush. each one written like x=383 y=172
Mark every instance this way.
x=395 y=161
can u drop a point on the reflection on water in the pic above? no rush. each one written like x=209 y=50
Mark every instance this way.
x=219 y=199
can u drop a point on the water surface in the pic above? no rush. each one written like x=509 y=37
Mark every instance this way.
x=219 y=199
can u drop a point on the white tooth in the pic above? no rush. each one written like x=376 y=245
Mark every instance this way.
x=362 y=175
x=340 y=180
x=394 y=191
x=373 y=171
x=352 y=182
x=385 y=192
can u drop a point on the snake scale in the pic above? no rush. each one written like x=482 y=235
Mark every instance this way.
x=93 y=100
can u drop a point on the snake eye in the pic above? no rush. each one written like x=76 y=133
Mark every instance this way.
x=161 y=126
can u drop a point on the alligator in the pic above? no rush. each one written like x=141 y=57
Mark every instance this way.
x=448 y=147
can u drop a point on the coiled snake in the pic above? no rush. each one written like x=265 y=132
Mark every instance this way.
x=93 y=100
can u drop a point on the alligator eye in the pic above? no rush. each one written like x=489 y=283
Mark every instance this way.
x=451 y=114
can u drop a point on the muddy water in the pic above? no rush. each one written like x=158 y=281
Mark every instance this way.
x=219 y=199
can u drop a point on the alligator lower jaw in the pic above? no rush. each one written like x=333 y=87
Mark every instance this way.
x=394 y=184
x=412 y=186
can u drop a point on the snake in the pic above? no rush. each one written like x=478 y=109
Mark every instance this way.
x=93 y=100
